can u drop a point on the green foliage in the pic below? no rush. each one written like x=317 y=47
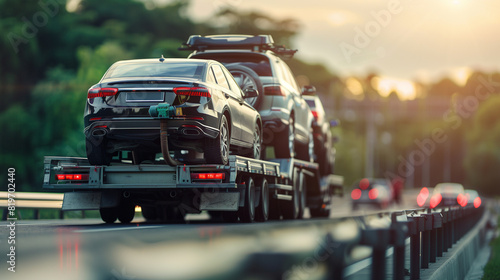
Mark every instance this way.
x=491 y=270
x=483 y=156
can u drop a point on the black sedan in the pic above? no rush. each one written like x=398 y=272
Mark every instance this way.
x=207 y=113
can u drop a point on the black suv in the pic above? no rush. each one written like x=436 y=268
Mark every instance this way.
x=255 y=61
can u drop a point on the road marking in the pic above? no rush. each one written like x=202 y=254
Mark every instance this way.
x=115 y=229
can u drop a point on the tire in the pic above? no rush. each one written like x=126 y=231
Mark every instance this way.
x=149 y=213
x=96 y=152
x=246 y=78
x=109 y=215
x=306 y=152
x=302 y=196
x=247 y=212
x=126 y=213
x=217 y=150
x=290 y=209
x=256 y=151
x=286 y=136
x=262 y=211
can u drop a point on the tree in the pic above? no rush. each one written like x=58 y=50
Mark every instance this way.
x=482 y=160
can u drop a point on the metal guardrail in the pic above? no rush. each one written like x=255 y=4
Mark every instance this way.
x=31 y=200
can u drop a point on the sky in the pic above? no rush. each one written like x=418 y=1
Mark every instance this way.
x=400 y=40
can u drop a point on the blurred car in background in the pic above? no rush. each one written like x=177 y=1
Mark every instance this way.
x=473 y=198
x=323 y=139
x=448 y=194
x=372 y=191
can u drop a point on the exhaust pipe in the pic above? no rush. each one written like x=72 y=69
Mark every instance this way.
x=99 y=132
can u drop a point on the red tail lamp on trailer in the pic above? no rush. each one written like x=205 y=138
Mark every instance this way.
x=72 y=177
x=208 y=176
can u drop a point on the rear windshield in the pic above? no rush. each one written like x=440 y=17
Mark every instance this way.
x=311 y=103
x=258 y=63
x=184 y=70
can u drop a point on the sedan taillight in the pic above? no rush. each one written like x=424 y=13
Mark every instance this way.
x=192 y=91
x=101 y=92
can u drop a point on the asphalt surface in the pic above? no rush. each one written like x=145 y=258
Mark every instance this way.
x=198 y=249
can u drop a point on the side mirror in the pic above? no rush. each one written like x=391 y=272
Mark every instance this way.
x=250 y=92
x=309 y=90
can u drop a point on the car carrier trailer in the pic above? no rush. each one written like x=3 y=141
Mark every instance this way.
x=245 y=189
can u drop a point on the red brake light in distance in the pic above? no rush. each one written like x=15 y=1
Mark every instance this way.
x=364 y=184
x=274 y=90
x=373 y=194
x=356 y=194
x=101 y=92
x=192 y=91
x=208 y=176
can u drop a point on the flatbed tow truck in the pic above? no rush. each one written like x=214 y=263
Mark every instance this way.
x=246 y=189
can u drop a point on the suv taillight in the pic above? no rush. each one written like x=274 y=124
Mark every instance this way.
x=101 y=92
x=274 y=90
x=192 y=91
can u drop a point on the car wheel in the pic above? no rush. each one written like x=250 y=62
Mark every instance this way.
x=96 y=152
x=217 y=150
x=247 y=78
x=286 y=136
x=256 y=150
x=306 y=152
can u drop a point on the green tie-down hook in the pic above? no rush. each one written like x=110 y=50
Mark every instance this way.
x=164 y=112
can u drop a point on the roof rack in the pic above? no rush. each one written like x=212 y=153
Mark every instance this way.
x=255 y=43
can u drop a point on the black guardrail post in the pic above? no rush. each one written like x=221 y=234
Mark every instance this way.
x=379 y=240
x=436 y=224
x=440 y=235
x=400 y=230
x=335 y=258
x=454 y=216
x=426 y=240
x=417 y=225
x=445 y=229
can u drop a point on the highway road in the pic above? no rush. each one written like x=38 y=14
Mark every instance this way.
x=198 y=249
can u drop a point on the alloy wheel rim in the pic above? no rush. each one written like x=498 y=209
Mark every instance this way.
x=224 y=141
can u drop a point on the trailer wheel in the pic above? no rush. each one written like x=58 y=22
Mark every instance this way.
x=303 y=196
x=247 y=212
x=109 y=215
x=149 y=213
x=291 y=209
x=126 y=213
x=262 y=211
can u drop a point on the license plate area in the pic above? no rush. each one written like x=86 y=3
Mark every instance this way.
x=145 y=96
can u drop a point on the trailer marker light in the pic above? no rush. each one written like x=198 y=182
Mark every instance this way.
x=72 y=177
x=208 y=176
